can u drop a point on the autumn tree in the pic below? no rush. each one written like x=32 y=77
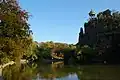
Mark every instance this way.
x=15 y=33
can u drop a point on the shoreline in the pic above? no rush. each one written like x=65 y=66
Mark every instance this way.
x=11 y=63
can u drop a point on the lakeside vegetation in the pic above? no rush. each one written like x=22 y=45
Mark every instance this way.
x=15 y=33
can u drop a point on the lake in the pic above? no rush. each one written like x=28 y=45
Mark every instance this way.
x=57 y=71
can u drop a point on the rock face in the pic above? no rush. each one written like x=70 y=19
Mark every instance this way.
x=90 y=35
x=103 y=34
x=91 y=30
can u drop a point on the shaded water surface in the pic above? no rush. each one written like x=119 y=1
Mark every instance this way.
x=57 y=71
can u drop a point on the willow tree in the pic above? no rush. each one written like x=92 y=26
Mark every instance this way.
x=15 y=33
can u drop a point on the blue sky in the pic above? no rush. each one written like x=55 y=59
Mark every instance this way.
x=60 y=20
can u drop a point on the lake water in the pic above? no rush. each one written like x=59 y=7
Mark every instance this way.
x=57 y=71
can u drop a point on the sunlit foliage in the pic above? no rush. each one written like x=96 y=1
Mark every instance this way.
x=15 y=33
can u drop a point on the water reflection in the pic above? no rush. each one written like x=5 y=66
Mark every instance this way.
x=57 y=71
x=22 y=72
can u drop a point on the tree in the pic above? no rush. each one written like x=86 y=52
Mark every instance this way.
x=14 y=30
